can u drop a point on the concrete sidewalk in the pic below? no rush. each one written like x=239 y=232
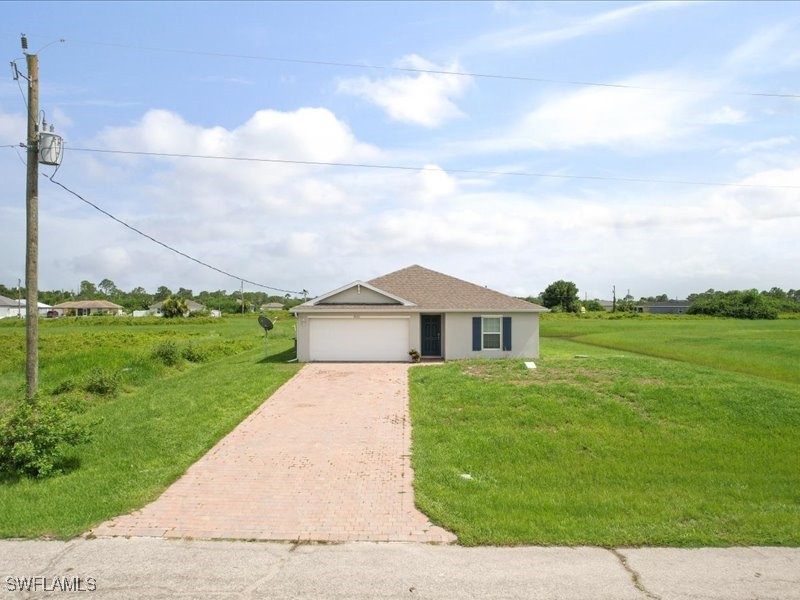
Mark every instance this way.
x=161 y=568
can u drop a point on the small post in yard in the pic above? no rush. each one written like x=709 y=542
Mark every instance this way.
x=267 y=325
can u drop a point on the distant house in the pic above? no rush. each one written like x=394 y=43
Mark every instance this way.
x=16 y=308
x=671 y=307
x=155 y=309
x=415 y=309
x=85 y=308
x=8 y=307
x=272 y=306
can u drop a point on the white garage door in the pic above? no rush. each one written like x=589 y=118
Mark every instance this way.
x=361 y=339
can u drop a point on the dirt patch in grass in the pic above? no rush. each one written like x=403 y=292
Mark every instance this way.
x=513 y=375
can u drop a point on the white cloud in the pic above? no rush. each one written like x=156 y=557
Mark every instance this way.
x=12 y=128
x=299 y=226
x=760 y=145
x=725 y=115
x=435 y=184
x=304 y=244
x=533 y=35
x=643 y=116
x=425 y=99
x=313 y=134
x=768 y=49
x=649 y=112
x=114 y=260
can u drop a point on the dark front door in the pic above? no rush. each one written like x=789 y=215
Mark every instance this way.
x=431 y=335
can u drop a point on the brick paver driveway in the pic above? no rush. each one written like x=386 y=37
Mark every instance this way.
x=326 y=458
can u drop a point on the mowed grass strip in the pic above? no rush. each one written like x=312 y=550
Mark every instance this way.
x=145 y=438
x=610 y=450
x=763 y=348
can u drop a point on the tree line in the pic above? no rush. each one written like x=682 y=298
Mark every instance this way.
x=562 y=296
x=139 y=298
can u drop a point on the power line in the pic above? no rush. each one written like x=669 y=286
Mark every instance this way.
x=479 y=75
x=167 y=246
x=426 y=168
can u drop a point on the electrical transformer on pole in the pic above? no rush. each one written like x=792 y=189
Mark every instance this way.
x=43 y=147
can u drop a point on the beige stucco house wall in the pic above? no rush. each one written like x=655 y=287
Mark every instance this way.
x=415 y=308
x=524 y=336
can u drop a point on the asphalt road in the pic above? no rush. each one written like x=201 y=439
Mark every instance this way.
x=159 y=568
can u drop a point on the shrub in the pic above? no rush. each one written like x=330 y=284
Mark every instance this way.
x=193 y=354
x=174 y=307
x=739 y=305
x=101 y=382
x=35 y=438
x=593 y=306
x=167 y=352
x=65 y=386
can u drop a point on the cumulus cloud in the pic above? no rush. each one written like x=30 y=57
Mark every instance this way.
x=434 y=184
x=313 y=227
x=648 y=112
x=426 y=99
x=222 y=187
x=313 y=134
x=612 y=117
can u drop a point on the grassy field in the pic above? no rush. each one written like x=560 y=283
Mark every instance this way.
x=617 y=448
x=162 y=419
x=763 y=348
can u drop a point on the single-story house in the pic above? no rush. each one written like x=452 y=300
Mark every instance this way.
x=272 y=306
x=155 y=309
x=9 y=307
x=670 y=307
x=16 y=308
x=415 y=309
x=84 y=308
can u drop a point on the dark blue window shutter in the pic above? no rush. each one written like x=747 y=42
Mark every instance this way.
x=506 y=333
x=476 y=333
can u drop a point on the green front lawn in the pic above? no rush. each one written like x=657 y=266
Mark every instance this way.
x=614 y=449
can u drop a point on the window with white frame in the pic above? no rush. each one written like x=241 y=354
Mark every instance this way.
x=491 y=332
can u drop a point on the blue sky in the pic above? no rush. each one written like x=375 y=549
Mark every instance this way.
x=196 y=78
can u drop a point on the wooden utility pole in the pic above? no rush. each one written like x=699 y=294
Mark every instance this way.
x=32 y=248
